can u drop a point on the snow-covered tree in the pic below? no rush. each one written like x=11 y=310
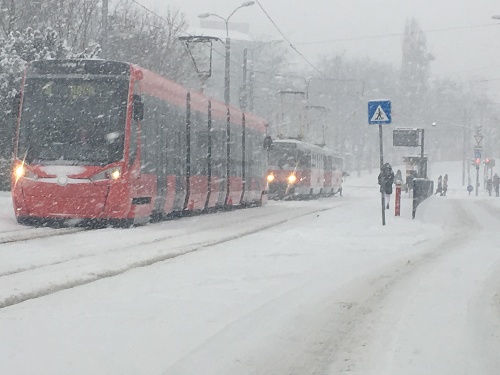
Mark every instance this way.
x=415 y=72
x=17 y=49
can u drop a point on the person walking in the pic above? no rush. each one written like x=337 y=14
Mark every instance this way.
x=489 y=186
x=399 y=176
x=386 y=180
x=445 y=185
x=440 y=186
x=496 y=184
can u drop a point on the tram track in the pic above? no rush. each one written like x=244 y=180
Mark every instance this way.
x=35 y=233
x=16 y=285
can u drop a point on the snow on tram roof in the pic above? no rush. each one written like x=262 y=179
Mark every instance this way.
x=307 y=146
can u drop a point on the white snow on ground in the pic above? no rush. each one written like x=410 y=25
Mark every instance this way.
x=317 y=287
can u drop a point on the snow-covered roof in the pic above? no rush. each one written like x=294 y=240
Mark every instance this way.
x=219 y=33
x=306 y=145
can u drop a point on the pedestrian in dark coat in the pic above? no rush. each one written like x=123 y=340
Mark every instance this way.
x=386 y=180
x=496 y=184
x=445 y=185
x=489 y=186
x=440 y=185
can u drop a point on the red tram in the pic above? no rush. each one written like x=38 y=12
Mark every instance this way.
x=300 y=170
x=102 y=140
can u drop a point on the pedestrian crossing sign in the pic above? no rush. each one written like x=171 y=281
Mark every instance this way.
x=379 y=112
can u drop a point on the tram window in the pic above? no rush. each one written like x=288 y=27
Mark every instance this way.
x=305 y=160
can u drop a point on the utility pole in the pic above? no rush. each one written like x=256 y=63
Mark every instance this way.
x=479 y=139
x=423 y=164
x=104 y=26
x=244 y=89
x=464 y=147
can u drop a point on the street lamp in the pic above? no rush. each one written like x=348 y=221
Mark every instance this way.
x=227 y=87
x=465 y=128
x=227 y=77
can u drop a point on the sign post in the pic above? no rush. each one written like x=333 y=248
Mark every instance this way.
x=397 y=211
x=379 y=113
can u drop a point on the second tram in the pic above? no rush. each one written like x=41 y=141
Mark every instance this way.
x=299 y=170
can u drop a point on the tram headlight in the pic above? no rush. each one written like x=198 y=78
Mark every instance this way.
x=270 y=178
x=109 y=174
x=19 y=171
x=292 y=179
x=115 y=174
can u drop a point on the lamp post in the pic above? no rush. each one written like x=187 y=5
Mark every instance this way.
x=465 y=128
x=227 y=75
x=227 y=88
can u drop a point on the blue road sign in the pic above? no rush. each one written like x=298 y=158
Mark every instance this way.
x=379 y=112
x=477 y=154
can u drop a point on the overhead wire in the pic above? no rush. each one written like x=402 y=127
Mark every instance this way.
x=288 y=40
x=394 y=34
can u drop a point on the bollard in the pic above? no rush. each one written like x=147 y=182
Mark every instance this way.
x=398 y=199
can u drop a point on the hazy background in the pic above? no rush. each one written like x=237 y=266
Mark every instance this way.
x=466 y=52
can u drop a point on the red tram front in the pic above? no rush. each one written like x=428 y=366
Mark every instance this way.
x=299 y=170
x=101 y=140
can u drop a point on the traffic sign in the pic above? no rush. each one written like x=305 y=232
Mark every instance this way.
x=477 y=154
x=478 y=139
x=379 y=112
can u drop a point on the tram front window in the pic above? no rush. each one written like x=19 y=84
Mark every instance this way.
x=73 y=121
x=283 y=158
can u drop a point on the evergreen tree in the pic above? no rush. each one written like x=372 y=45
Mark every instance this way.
x=415 y=71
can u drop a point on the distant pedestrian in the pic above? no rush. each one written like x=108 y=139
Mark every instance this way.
x=496 y=184
x=385 y=180
x=399 y=176
x=445 y=185
x=440 y=186
x=489 y=186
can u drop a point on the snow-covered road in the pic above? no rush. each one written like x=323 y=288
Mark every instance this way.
x=316 y=287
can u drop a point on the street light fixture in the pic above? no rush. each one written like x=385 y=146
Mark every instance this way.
x=227 y=78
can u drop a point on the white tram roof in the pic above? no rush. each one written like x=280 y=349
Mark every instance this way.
x=307 y=146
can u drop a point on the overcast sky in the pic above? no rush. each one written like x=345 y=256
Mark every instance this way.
x=465 y=52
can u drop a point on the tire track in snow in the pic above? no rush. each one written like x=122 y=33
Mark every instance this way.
x=35 y=234
x=339 y=335
x=19 y=270
x=348 y=352
x=321 y=329
x=85 y=276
